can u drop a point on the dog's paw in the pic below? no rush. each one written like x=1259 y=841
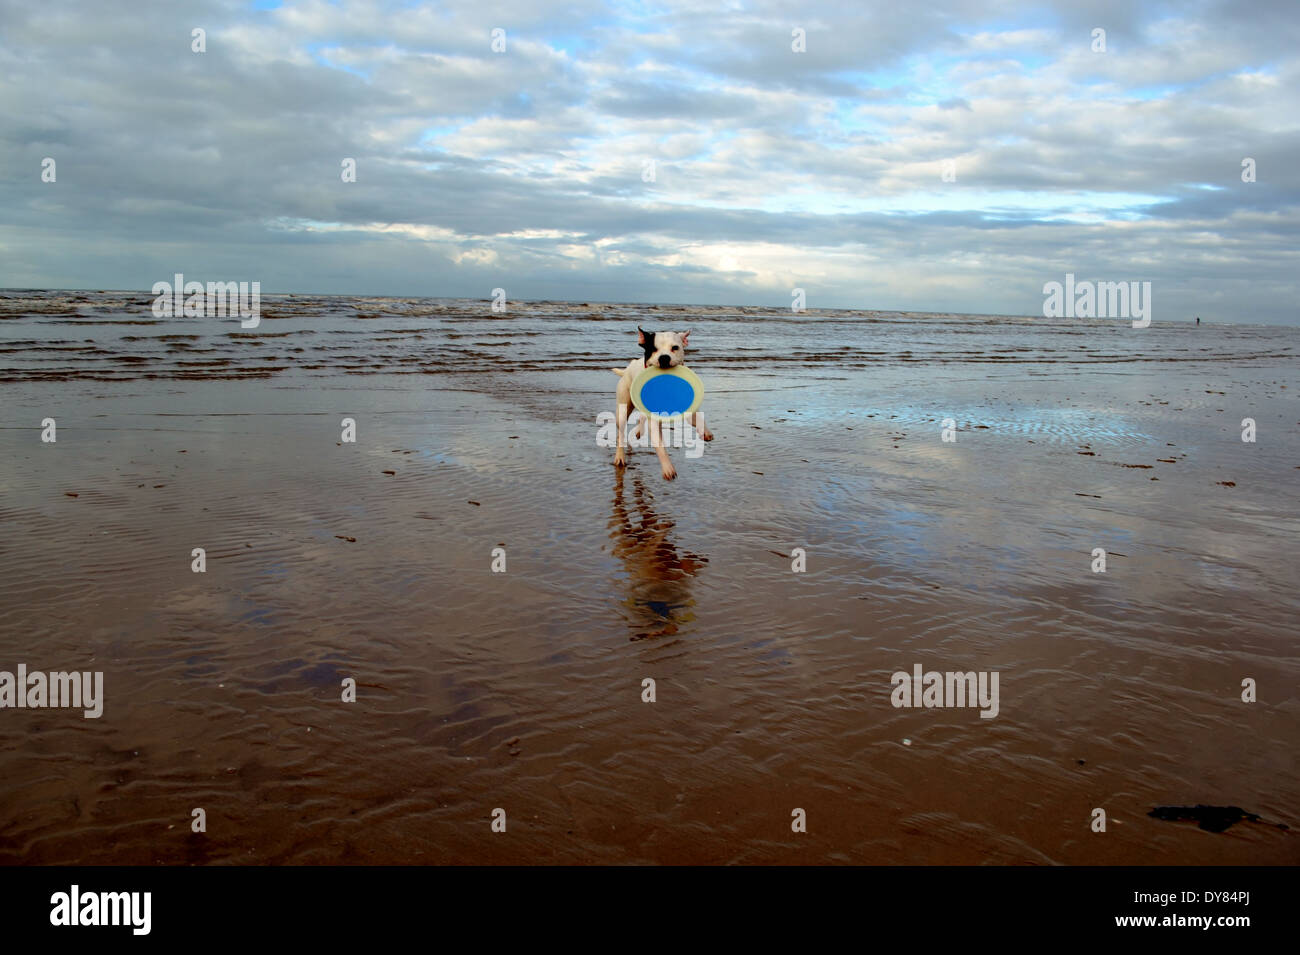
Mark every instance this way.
x=619 y=460
x=670 y=472
x=706 y=434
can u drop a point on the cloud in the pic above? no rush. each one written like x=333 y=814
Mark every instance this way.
x=953 y=156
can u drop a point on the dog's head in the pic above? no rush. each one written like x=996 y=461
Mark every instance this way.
x=664 y=349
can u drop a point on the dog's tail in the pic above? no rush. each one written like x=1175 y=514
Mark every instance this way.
x=618 y=371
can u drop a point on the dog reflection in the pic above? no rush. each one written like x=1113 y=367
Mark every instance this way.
x=659 y=578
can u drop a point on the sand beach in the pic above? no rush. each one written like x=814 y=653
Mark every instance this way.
x=372 y=560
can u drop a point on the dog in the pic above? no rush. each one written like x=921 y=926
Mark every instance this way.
x=664 y=350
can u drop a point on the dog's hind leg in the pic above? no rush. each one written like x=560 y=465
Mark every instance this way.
x=620 y=459
x=697 y=422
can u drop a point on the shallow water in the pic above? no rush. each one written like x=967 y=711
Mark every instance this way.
x=522 y=690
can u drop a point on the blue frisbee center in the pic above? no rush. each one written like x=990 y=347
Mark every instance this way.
x=667 y=394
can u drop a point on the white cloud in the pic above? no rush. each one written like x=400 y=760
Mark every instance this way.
x=771 y=167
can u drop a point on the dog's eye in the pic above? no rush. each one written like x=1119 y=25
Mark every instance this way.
x=674 y=348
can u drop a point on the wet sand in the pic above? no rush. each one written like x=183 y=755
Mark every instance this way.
x=523 y=690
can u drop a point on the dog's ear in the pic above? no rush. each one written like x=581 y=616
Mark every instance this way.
x=642 y=336
x=685 y=335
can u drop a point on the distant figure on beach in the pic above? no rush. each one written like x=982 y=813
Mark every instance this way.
x=1198 y=319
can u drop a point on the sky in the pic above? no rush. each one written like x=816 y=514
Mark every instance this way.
x=937 y=156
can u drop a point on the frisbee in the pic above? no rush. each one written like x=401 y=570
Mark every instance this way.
x=667 y=392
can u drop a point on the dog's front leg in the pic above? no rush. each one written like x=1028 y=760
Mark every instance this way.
x=620 y=459
x=657 y=437
x=697 y=422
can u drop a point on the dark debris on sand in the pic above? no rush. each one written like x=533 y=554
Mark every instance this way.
x=1209 y=818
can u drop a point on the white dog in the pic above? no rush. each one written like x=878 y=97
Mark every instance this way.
x=666 y=350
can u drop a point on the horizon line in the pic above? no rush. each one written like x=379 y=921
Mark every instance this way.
x=590 y=301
